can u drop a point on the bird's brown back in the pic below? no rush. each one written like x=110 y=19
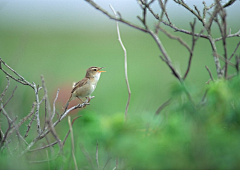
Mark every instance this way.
x=80 y=83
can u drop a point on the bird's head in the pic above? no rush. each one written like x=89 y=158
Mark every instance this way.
x=94 y=72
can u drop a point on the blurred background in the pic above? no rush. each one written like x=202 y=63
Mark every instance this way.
x=60 y=39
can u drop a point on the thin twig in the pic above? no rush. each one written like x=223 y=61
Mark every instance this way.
x=29 y=125
x=116 y=168
x=230 y=2
x=205 y=9
x=44 y=147
x=234 y=51
x=237 y=64
x=69 y=129
x=72 y=139
x=165 y=104
x=176 y=38
x=54 y=124
x=237 y=34
x=210 y=74
x=10 y=122
x=54 y=143
x=5 y=90
x=47 y=105
x=55 y=135
x=125 y=61
x=10 y=97
x=204 y=97
x=87 y=156
x=54 y=104
x=106 y=163
x=20 y=78
x=193 y=45
x=36 y=89
x=114 y=18
x=189 y=9
x=25 y=118
x=97 y=156
x=225 y=60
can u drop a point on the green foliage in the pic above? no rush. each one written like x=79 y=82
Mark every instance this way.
x=183 y=136
x=205 y=136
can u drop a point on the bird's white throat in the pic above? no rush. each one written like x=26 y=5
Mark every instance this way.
x=97 y=77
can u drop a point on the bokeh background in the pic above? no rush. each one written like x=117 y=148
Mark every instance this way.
x=60 y=39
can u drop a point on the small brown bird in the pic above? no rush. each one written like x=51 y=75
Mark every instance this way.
x=85 y=87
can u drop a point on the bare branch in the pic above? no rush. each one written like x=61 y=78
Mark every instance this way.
x=125 y=63
x=230 y=2
x=106 y=163
x=234 y=51
x=25 y=118
x=210 y=74
x=165 y=104
x=237 y=64
x=54 y=124
x=97 y=156
x=10 y=123
x=47 y=104
x=72 y=139
x=54 y=143
x=5 y=90
x=189 y=9
x=225 y=60
x=10 y=97
x=237 y=34
x=20 y=79
x=36 y=89
x=165 y=57
x=44 y=147
x=205 y=9
x=69 y=129
x=53 y=131
x=87 y=156
x=54 y=104
x=114 y=18
x=176 y=38
x=29 y=125
x=223 y=30
x=191 y=52
x=184 y=31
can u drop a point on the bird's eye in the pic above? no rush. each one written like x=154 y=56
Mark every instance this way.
x=94 y=69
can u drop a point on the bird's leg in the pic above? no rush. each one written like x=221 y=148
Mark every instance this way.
x=89 y=99
x=80 y=99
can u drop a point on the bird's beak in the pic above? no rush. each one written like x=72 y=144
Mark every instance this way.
x=100 y=69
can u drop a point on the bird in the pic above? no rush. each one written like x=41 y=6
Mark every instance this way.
x=85 y=87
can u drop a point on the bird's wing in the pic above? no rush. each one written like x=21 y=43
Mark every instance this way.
x=79 y=84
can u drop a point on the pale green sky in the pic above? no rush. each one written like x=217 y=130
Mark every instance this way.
x=64 y=14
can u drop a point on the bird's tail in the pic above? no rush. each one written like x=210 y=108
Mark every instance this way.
x=67 y=103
